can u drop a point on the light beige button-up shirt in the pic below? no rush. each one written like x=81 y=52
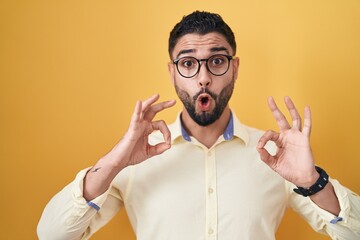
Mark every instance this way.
x=192 y=192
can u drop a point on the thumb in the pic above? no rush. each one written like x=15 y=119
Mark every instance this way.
x=158 y=149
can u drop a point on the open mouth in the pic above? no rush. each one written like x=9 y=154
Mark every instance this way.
x=204 y=101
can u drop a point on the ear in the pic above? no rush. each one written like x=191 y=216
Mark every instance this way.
x=171 y=68
x=236 y=66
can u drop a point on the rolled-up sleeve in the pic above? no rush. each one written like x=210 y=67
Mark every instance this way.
x=69 y=216
x=344 y=226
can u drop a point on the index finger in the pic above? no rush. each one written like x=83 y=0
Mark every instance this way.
x=162 y=146
x=278 y=115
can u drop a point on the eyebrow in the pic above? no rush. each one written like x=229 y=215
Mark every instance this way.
x=219 y=49
x=214 y=49
x=184 y=51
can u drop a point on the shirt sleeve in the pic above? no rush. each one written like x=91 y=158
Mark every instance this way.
x=69 y=216
x=344 y=226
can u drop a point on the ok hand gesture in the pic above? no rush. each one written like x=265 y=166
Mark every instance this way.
x=134 y=147
x=294 y=159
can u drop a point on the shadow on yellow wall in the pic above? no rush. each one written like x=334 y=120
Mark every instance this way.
x=71 y=71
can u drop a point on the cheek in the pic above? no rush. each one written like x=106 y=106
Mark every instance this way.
x=187 y=85
x=219 y=84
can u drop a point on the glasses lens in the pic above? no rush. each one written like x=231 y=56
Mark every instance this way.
x=188 y=66
x=218 y=64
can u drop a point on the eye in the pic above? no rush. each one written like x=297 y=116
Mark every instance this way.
x=188 y=62
x=217 y=60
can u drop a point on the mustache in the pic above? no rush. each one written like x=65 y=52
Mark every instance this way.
x=207 y=91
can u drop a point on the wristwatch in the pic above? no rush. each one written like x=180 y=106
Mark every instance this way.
x=317 y=187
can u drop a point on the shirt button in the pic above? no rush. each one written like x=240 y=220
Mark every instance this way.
x=210 y=190
x=211 y=231
x=209 y=154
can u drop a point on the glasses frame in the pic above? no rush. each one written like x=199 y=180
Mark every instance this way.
x=176 y=61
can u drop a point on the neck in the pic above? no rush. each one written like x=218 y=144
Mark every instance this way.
x=207 y=135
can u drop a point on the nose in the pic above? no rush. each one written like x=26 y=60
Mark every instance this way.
x=204 y=78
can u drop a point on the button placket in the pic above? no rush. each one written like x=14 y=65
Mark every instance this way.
x=211 y=196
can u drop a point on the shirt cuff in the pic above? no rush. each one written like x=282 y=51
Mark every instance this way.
x=343 y=198
x=78 y=188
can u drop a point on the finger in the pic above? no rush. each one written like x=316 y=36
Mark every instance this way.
x=278 y=115
x=268 y=136
x=154 y=109
x=148 y=102
x=267 y=158
x=307 y=121
x=264 y=154
x=295 y=116
x=137 y=112
x=158 y=149
x=163 y=146
x=162 y=127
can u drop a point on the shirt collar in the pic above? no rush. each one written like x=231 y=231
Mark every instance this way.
x=233 y=129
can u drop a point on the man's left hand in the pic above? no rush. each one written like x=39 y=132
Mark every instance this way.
x=294 y=159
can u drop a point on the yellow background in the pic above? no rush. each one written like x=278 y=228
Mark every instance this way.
x=71 y=71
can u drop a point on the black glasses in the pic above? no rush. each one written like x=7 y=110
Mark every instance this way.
x=217 y=65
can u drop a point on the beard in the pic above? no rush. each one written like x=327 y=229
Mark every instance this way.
x=206 y=118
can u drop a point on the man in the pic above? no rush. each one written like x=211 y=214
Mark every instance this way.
x=206 y=176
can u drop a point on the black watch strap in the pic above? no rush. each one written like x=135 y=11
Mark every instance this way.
x=318 y=186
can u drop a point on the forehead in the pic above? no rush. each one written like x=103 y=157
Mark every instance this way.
x=201 y=44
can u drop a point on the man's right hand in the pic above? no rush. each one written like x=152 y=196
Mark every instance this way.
x=132 y=149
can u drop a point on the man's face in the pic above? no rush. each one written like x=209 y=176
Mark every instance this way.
x=205 y=96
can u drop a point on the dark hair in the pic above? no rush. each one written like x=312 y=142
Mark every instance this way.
x=201 y=23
